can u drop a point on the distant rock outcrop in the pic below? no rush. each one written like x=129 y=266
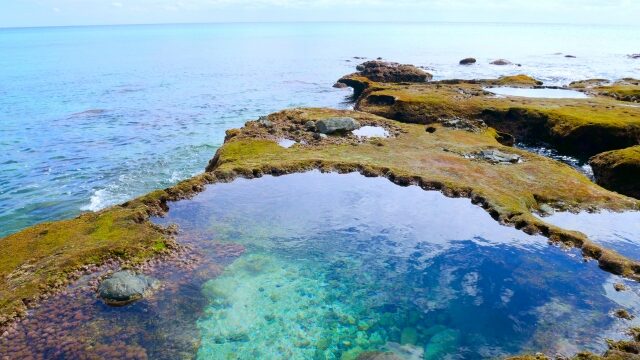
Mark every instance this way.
x=501 y=62
x=468 y=61
x=383 y=71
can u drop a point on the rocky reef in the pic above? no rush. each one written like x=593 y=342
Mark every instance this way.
x=582 y=127
x=453 y=136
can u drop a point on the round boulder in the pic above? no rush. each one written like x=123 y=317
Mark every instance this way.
x=467 y=61
x=124 y=287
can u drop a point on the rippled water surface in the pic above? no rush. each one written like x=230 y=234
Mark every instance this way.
x=328 y=266
x=92 y=116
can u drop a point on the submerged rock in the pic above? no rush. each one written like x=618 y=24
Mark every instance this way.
x=498 y=157
x=501 y=62
x=406 y=351
x=444 y=342
x=336 y=124
x=623 y=314
x=383 y=71
x=124 y=287
x=378 y=355
x=619 y=287
x=634 y=56
x=409 y=335
x=467 y=61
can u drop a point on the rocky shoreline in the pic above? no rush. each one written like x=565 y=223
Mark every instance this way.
x=451 y=136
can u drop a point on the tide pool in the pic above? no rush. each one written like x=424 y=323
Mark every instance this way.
x=331 y=266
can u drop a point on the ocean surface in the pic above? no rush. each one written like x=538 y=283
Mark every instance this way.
x=93 y=116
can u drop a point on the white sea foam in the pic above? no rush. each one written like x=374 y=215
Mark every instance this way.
x=98 y=201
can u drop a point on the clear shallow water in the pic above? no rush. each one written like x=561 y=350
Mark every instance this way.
x=324 y=266
x=538 y=93
x=619 y=231
x=92 y=116
x=581 y=165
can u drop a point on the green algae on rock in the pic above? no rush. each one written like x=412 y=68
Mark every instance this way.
x=384 y=71
x=618 y=170
x=627 y=89
x=583 y=127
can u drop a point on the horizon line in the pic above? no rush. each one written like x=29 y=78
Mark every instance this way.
x=316 y=22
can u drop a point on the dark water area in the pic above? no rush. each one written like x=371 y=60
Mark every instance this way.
x=327 y=266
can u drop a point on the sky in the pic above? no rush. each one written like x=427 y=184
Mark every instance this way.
x=27 y=13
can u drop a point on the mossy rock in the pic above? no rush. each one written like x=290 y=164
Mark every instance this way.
x=619 y=170
x=582 y=127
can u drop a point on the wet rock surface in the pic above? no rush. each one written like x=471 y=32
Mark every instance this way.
x=383 y=71
x=336 y=124
x=124 y=287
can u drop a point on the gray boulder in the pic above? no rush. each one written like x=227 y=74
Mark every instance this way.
x=336 y=124
x=124 y=287
x=498 y=157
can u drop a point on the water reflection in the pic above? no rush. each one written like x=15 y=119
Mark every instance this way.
x=547 y=93
x=616 y=230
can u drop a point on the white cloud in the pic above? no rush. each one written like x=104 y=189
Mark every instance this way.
x=117 y=4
